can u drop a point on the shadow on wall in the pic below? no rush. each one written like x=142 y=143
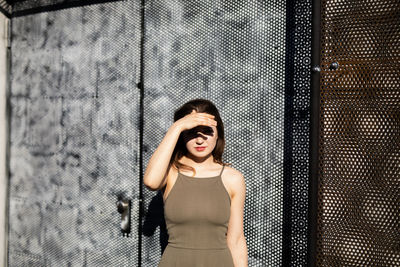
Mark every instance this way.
x=155 y=218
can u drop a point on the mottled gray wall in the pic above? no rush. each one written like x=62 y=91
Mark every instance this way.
x=74 y=135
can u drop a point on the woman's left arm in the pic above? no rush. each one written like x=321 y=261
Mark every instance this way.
x=235 y=237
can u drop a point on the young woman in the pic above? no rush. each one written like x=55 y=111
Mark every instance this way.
x=203 y=197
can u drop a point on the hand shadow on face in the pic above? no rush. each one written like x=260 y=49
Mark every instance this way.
x=194 y=132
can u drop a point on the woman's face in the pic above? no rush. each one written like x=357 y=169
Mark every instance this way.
x=200 y=140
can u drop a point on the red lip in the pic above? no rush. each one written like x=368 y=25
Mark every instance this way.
x=200 y=148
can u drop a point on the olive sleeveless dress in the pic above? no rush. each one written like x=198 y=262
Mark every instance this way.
x=197 y=212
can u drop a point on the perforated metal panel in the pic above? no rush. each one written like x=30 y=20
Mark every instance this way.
x=239 y=55
x=5 y=8
x=359 y=190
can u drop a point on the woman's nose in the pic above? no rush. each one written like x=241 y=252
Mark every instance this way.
x=200 y=138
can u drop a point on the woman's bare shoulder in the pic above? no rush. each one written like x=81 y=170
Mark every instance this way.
x=234 y=179
x=230 y=171
x=233 y=175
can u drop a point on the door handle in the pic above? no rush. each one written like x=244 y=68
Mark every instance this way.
x=124 y=208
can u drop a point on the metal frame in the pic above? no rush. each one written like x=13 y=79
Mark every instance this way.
x=314 y=132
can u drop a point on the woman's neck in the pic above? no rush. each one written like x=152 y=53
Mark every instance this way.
x=197 y=163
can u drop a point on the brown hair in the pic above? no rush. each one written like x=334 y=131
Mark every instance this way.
x=200 y=105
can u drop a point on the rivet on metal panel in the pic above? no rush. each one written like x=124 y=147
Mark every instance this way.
x=334 y=66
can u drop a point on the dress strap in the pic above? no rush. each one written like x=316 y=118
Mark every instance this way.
x=223 y=166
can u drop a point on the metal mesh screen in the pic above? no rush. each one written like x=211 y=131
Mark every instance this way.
x=5 y=8
x=238 y=54
x=359 y=196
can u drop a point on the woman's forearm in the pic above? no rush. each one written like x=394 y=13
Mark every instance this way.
x=239 y=253
x=159 y=161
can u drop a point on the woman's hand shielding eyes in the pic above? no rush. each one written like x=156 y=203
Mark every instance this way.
x=195 y=119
